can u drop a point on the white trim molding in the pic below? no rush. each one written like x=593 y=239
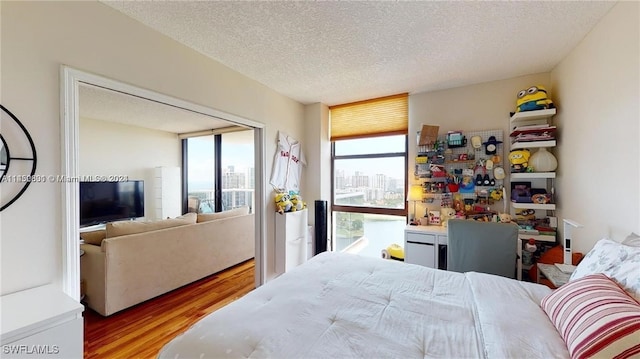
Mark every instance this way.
x=70 y=79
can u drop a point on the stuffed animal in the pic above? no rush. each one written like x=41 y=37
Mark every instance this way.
x=525 y=214
x=505 y=218
x=519 y=160
x=533 y=98
x=297 y=202
x=496 y=194
x=446 y=213
x=283 y=202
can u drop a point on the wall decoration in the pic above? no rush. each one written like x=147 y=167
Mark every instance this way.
x=17 y=159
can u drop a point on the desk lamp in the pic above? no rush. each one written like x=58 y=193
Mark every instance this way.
x=415 y=195
x=568 y=225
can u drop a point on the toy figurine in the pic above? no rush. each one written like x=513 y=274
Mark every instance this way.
x=533 y=98
x=283 y=202
x=519 y=160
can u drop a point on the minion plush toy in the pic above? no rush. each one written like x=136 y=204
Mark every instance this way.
x=533 y=98
x=283 y=202
x=519 y=160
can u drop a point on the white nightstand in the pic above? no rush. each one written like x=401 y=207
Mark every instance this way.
x=553 y=274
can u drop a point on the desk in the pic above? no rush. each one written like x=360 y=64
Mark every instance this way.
x=553 y=274
x=426 y=246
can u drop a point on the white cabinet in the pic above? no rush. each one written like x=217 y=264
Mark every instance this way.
x=291 y=240
x=167 y=195
x=41 y=322
x=536 y=123
x=426 y=246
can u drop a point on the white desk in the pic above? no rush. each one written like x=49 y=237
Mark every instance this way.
x=423 y=245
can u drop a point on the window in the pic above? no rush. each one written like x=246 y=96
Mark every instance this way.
x=220 y=172
x=369 y=167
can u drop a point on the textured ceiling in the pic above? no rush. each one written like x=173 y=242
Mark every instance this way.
x=107 y=105
x=339 y=52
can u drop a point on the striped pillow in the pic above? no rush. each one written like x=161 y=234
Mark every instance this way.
x=595 y=317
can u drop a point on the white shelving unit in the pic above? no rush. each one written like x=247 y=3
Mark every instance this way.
x=538 y=179
x=291 y=240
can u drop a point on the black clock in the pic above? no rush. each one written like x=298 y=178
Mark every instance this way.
x=17 y=159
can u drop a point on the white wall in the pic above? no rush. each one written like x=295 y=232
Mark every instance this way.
x=37 y=38
x=108 y=148
x=597 y=87
x=479 y=107
x=318 y=179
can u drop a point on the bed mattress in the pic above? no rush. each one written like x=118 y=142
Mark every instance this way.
x=346 y=306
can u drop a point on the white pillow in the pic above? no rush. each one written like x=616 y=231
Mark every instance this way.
x=617 y=261
x=632 y=240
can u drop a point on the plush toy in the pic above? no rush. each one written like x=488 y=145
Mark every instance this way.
x=533 y=98
x=496 y=194
x=505 y=218
x=519 y=160
x=283 y=202
x=297 y=202
x=525 y=214
x=446 y=213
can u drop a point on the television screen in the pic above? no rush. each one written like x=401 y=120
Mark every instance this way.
x=102 y=202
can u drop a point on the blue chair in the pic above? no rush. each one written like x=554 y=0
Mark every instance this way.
x=485 y=247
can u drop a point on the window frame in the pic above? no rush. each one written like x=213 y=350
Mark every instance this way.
x=373 y=210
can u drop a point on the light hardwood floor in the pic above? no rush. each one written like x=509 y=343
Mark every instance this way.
x=142 y=330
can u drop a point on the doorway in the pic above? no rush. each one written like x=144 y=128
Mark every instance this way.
x=72 y=79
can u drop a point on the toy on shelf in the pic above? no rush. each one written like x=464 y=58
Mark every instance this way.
x=297 y=202
x=533 y=98
x=519 y=160
x=505 y=218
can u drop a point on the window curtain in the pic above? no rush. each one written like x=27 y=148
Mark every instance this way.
x=376 y=117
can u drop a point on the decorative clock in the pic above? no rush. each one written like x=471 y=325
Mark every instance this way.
x=17 y=158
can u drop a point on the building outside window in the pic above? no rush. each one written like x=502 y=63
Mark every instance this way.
x=223 y=179
x=369 y=165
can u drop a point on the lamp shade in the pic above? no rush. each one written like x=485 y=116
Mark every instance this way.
x=543 y=161
x=415 y=193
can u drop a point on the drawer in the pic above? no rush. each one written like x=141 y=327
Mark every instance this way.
x=421 y=238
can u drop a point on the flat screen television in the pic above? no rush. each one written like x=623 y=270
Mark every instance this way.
x=102 y=202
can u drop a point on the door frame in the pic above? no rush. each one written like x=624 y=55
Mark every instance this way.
x=70 y=80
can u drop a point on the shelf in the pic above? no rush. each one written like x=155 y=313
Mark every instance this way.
x=532 y=175
x=533 y=144
x=548 y=206
x=532 y=115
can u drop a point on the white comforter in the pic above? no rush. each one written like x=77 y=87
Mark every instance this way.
x=347 y=306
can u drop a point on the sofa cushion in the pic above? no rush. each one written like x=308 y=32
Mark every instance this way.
x=94 y=237
x=204 y=217
x=123 y=228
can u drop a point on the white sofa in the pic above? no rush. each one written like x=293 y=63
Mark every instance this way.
x=130 y=262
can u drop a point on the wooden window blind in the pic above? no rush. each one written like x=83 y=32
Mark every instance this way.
x=375 y=117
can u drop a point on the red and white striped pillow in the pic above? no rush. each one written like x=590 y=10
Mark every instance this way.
x=595 y=317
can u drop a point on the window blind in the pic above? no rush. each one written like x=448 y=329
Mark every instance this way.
x=375 y=117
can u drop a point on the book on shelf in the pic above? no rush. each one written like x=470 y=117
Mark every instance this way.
x=545 y=130
x=533 y=137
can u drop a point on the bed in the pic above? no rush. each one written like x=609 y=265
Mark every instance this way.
x=341 y=305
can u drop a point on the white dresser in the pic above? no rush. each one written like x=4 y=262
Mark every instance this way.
x=41 y=322
x=426 y=246
x=291 y=240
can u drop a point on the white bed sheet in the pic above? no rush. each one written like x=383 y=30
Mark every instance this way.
x=346 y=306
